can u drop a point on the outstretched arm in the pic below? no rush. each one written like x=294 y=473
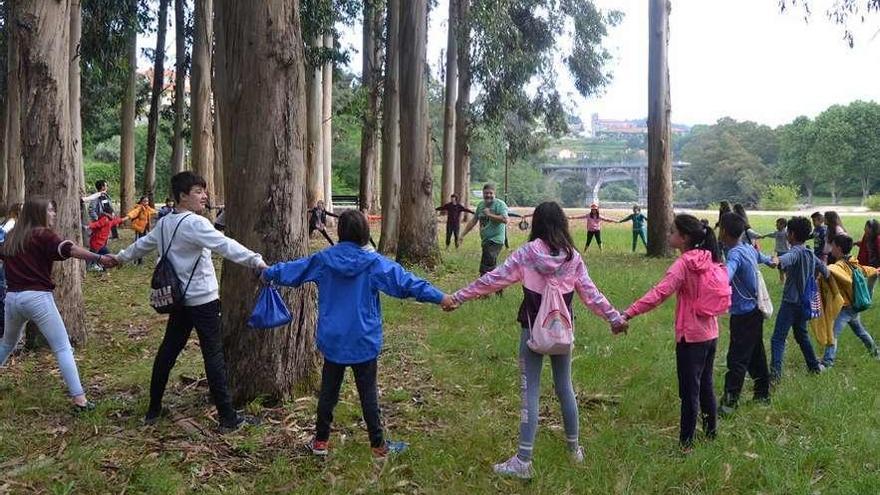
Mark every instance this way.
x=470 y=225
x=293 y=273
x=394 y=280
x=669 y=285
x=507 y=274
x=625 y=219
x=594 y=299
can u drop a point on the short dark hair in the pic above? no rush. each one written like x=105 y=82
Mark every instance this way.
x=817 y=215
x=183 y=183
x=453 y=195
x=783 y=221
x=799 y=228
x=844 y=242
x=100 y=184
x=353 y=227
x=732 y=224
x=489 y=186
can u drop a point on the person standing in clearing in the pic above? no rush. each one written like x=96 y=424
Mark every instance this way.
x=189 y=251
x=453 y=210
x=746 y=352
x=549 y=256
x=492 y=215
x=318 y=220
x=140 y=217
x=640 y=226
x=594 y=225
x=28 y=253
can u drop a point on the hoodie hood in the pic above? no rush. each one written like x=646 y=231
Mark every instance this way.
x=348 y=259
x=697 y=260
x=540 y=259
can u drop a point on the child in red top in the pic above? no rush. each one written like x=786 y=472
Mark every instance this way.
x=101 y=230
x=696 y=334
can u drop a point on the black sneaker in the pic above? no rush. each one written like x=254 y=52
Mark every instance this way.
x=153 y=417
x=240 y=421
x=80 y=409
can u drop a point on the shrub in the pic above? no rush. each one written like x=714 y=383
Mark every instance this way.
x=873 y=202
x=107 y=151
x=778 y=197
x=95 y=171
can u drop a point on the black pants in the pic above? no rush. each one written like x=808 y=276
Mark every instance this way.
x=694 y=362
x=452 y=229
x=137 y=236
x=490 y=257
x=323 y=233
x=206 y=320
x=746 y=354
x=365 y=380
x=594 y=233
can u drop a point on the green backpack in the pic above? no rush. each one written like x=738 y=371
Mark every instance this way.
x=861 y=292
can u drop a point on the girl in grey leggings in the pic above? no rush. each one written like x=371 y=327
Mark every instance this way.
x=549 y=255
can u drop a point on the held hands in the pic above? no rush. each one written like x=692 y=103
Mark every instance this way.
x=621 y=326
x=448 y=303
x=108 y=261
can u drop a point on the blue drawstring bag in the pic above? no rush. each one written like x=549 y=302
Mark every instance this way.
x=270 y=310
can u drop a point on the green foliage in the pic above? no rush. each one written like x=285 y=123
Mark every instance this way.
x=108 y=150
x=573 y=193
x=722 y=166
x=97 y=170
x=872 y=202
x=779 y=197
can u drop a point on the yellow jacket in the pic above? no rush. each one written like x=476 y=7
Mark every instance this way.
x=140 y=217
x=836 y=293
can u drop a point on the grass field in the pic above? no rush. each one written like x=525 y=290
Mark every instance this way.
x=449 y=386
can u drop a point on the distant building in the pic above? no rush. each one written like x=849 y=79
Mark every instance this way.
x=566 y=155
x=623 y=128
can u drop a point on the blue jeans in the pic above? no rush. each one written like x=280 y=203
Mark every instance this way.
x=847 y=316
x=790 y=315
x=39 y=307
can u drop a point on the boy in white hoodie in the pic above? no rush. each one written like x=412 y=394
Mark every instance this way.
x=187 y=239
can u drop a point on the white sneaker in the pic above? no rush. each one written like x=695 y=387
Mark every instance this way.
x=577 y=455
x=516 y=468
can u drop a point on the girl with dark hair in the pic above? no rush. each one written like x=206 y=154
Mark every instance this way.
x=549 y=256
x=835 y=228
x=703 y=291
x=749 y=236
x=869 y=246
x=28 y=254
x=594 y=225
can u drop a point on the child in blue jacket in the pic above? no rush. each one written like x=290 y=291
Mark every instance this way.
x=349 y=278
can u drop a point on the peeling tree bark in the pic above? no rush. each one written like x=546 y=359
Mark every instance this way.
x=391 y=134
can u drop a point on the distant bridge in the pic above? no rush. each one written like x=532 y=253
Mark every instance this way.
x=596 y=174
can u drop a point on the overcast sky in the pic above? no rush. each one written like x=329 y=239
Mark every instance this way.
x=742 y=59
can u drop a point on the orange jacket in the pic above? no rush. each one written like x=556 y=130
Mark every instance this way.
x=140 y=217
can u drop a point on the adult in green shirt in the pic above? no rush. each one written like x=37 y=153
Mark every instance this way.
x=640 y=226
x=492 y=215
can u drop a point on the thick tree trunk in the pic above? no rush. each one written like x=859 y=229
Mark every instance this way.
x=156 y=101
x=833 y=186
x=14 y=165
x=370 y=76
x=202 y=126
x=261 y=94
x=4 y=100
x=43 y=32
x=809 y=188
x=177 y=144
x=417 y=240
x=447 y=181
x=391 y=134
x=462 y=105
x=327 y=126
x=866 y=188
x=659 y=131
x=314 y=147
x=127 y=116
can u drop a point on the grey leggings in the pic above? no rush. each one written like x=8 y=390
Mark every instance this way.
x=530 y=386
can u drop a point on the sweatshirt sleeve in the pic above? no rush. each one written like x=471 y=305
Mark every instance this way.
x=141 y=247
x=133 y=213
x=294 y=273
x=204 y=234
x=625 y=219
x=392 y=279
x=669 y=285
x=507 y=274
x=593 y=298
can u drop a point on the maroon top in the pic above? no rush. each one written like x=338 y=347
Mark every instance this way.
x=31 y=269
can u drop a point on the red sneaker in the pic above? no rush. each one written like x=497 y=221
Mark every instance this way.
x=319 y=447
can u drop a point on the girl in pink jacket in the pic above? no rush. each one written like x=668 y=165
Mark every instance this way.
x=550 y=253
x=594 y=225
x=696 y=329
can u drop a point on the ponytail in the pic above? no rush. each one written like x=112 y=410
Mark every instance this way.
x=699 y=233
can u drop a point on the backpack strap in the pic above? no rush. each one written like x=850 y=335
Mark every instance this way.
x=162 y=237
